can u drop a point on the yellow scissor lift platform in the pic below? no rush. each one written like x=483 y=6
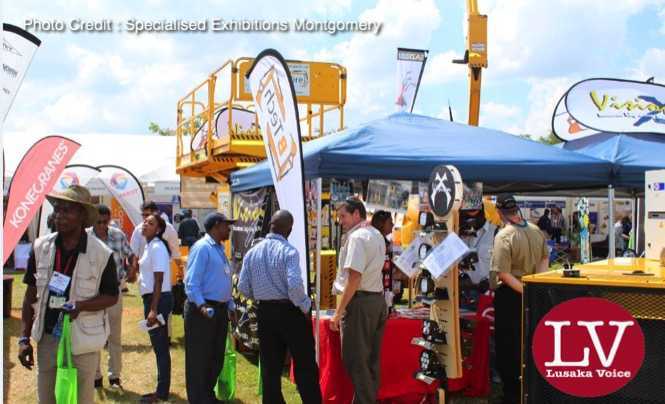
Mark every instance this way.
x=217 y=130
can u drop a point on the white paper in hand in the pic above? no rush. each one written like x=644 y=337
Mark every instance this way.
x=406 y=262
x=445 y=254
x=143 y=324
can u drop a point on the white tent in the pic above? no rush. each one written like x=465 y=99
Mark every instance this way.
x=151 y=158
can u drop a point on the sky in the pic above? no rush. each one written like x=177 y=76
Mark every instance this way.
x=119 y=82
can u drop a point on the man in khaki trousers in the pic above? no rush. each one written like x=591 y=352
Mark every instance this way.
x=116 y=240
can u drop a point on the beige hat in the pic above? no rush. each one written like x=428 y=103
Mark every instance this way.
x=80 y=195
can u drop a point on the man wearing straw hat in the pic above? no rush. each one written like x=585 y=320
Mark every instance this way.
x=69 y=266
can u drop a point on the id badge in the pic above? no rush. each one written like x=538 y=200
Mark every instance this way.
x=59 y=283
x=56 y=302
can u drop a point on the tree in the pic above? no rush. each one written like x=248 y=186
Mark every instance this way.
x=155 y=128
x=550 y=139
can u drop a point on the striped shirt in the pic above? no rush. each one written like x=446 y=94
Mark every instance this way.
x=271 y=271
x=117 y=242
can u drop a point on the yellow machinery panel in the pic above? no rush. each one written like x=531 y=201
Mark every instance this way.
x=328 y=273
x=218 y=132
x=617 y=272
x=477 y=40
x=315 y=82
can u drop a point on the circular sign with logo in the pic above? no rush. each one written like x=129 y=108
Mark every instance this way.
x=588 y=347
x=445 y=190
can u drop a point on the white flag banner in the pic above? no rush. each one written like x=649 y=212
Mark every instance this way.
x=75 y=174
x=275 y=103
x=410 y=66
x=125 y=188
x=18 y=48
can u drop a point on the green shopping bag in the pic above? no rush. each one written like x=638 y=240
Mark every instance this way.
x=225 y=389
x=66 y=381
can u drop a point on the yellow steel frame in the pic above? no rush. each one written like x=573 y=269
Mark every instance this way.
x=327 y=93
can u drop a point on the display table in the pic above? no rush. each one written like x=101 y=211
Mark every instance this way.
x=399 y=362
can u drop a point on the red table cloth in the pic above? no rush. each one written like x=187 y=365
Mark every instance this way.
x=399 y=362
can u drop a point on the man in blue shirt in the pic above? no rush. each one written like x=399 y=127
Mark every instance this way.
x=208 y=289
x=271 y=275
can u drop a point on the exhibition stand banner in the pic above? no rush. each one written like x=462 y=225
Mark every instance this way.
x=33 y=179
x=610 y=105
x=18 y=48
x=124 y=187
x=410 y=67
x=275 y=99
x=252 y=211
x=74 y=174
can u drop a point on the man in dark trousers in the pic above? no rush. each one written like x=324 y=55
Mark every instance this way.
x=271 y=275
x=208 y=288
x=520 y=249
x=188 y=231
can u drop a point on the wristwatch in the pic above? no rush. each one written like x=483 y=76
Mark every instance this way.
x=24 y=341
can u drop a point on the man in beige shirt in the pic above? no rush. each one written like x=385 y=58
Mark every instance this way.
x=362 y=310
x=520 y=249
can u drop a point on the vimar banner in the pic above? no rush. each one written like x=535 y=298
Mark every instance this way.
x=275 y=102
x=74 y=174
x=18 y=48
x=565 y=127
x=124 y=187
x=610 y=105
x=410 y=67
x=33 y=179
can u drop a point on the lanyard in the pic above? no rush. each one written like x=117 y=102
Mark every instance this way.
x=68 y=265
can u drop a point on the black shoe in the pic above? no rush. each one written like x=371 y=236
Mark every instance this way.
x=152 y=398
x=99 y=383
x=115 y=383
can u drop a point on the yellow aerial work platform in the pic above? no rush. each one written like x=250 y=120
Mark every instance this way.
x=218 y=132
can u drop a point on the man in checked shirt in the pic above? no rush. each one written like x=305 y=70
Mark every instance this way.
x=271 y=275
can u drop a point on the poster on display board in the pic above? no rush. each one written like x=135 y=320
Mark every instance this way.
x=252 y=211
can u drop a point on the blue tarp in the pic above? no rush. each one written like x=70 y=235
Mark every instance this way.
x=630 y=155
x=407 y=147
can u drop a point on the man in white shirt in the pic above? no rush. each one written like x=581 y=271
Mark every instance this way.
x=138 y=242
x=362 y=310
x=478 y=233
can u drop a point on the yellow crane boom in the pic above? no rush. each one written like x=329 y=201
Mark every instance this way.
x=475 y=56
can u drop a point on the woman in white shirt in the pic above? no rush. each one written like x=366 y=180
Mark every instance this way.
x=155 y=288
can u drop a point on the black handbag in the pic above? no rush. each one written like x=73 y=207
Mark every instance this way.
x=179 y=297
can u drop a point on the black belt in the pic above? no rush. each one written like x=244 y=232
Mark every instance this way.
x=276 y=301
x=215 y=303
x=367 y=293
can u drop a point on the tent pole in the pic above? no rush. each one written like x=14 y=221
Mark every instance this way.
x=319 y=188
x=610 y=227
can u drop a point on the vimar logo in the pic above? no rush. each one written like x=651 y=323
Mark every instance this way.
x=588 y=347
x=119 y=181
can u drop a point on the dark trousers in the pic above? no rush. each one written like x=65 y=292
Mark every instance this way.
x=159 y=338
x=556 y=234
x=362 y=332
x=205 y=340
x=283 y=326
x=507 y=335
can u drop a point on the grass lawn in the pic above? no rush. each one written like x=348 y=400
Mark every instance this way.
x=139 y=370
x=139 y=374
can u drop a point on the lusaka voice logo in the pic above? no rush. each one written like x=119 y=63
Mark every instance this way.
x=588 y=347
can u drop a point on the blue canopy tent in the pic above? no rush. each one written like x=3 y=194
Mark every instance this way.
x=407 y=147
x=630 y=155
